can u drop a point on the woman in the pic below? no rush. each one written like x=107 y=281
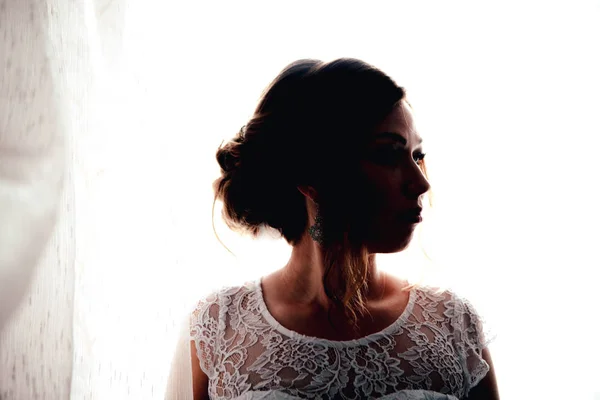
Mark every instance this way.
x=331 y=160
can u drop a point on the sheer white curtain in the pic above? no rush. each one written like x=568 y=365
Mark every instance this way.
x=37 y=119
x=144 y=91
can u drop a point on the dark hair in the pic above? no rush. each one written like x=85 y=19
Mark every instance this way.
x=308 y=129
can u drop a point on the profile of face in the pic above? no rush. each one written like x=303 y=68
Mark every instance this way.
x=394 y=182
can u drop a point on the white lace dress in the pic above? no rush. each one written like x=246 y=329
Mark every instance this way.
x=432 y=352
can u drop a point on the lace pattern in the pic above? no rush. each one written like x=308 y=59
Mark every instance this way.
x=435 y=346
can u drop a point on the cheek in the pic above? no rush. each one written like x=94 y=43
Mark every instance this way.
x=384 y=189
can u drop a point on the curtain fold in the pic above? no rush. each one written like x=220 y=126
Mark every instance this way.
x=37 y=236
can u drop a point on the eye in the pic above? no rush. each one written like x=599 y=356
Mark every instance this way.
x=387 y=156
x=419 y=157
x=394 y=155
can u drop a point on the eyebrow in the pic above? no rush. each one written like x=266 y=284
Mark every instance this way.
x=395 y=136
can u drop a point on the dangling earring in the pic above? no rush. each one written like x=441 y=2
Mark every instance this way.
x=316 y=230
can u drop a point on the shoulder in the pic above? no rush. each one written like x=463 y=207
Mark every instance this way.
x=445 y=299
x=216 y=302
x=466 y=318
x=470 y=333
x=451 y=300
x=454 y=307
x=466 y=323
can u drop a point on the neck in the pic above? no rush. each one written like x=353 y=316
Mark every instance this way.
x=303 y=277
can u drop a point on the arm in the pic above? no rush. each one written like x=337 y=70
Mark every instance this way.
x=204 y=339
x=199 y=378
x=487 y=388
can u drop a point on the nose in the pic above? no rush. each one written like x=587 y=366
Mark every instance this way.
x=418 y=183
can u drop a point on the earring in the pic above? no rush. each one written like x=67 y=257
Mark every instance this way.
x=316 y=230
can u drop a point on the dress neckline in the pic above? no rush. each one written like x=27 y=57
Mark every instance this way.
x=333 y=343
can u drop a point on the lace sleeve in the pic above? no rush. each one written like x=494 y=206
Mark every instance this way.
x=472 y=337
x=204 y=323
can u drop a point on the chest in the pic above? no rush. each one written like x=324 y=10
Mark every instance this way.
x=338 y=325
x=368 y=369
x=301 y=354
x=334 y=327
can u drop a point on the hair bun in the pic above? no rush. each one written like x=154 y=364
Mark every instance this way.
x=229 y=156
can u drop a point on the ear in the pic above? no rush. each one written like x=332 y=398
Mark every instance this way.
x=308 y=192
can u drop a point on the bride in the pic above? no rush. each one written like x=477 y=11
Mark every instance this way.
x=331 y=159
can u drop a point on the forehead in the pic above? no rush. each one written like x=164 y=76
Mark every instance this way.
x=400 y=121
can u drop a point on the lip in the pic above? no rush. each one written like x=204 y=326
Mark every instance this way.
x=412 y=216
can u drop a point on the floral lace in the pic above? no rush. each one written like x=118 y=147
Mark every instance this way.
x=434 y=347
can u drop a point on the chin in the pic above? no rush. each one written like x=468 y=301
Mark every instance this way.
x=390 y=246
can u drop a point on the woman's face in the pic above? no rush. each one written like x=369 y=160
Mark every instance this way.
x=394 y=182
